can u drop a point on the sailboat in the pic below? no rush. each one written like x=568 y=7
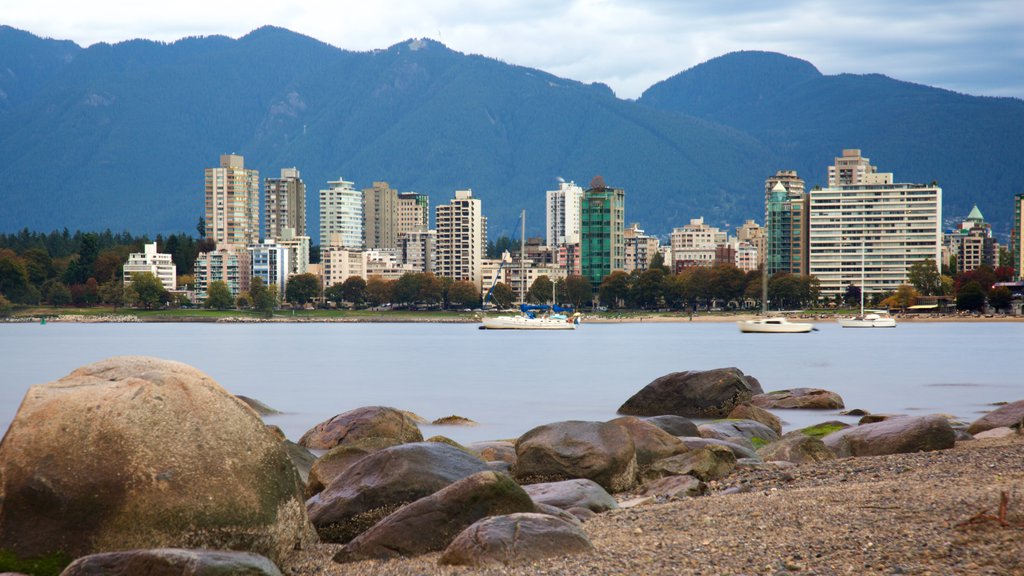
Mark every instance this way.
x=873 y=318
x=771 y=325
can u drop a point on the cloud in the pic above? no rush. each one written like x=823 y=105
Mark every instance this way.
x=972 y=47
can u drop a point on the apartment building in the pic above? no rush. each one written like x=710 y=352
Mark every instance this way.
x=787 y=230
x=271 y=262
x=157 y=264
x=284 y=205
x=231 y=265
x=232 y=202
x=461 y=238
x=339 y=264
x=602 y=231
x=341 y=215
x=694 y=244
x=972 y=243
x=640 y=248
x=563 y=214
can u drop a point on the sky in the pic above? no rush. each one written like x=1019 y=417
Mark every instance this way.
x=976 y=47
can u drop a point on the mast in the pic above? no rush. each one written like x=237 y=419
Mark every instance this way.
x=862 y=256
x=764 y=286
x=522 y=258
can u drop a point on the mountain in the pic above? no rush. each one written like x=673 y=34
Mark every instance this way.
x=120 y=135
x=970 y=145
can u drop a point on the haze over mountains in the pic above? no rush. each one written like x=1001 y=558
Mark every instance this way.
x=118 y=135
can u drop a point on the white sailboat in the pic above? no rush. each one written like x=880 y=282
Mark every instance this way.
x=873 y=318
x=775 y=325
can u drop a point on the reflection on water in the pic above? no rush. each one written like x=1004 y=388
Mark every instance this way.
x=512 y=381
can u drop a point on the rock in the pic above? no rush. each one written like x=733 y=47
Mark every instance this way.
x=430 y=523
x=581 y=514
x=277 y=432
x=379 y=483
x=895 y=436
x=707 y=463
x=1002 y=432
x=448 y=441
x=650 y=442
x=260 y=408
x=167 y=561
x=799 y=398
x=748 y=411
x=599 y=451
x=694 y=394
x=415 y=417
x=365 y=422
x=553 y=511
x=136 y=452
x=496 y=450
x=738 y=450
x=674 y=425
x=819 y=431
x=755 y=432
x=567 y=494
x=500 y=466
x=327 y=467
x=872 y=418
x=515 y=539
x=635 y=502
x=453 y=421
x=1010 y=416
x=798 y=448
x=675 y=487
x=854 y=412
x=302 y=459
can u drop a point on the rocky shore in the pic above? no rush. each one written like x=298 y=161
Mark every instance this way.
x=166 y=472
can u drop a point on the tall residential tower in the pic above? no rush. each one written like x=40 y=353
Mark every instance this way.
x=461 y=242
x=341 y=215
x=602 y=231
x=284 y=205
x=232 y=202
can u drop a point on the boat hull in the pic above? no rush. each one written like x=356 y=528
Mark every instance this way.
x=856 y=323
x=773 y=326
x=523 y=323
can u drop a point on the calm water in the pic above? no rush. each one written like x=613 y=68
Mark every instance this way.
x=511 y=381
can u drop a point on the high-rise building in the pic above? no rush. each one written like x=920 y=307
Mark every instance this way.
x=972 y=243
x=852 y=169
x=694 y=244
x=232 y=266
x=380 y=215
x=149 y=260
x=1017 y=237
x=232 y=202
x=640 y=248
x=413 y=212
x=793 y=184
x=284 y=204
x=419 y=249
x=602 y=231
x=563 y=214
x=461 y=238
x=339 y=264
x=786 y=231
x=753 y=235
x=298 y=248
x=878 y=226
x=341 y=215
x=271 y=262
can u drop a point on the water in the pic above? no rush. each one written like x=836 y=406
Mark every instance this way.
x=511 y=381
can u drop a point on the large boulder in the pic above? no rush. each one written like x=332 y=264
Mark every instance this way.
x=430 y=523
x=136 y=452
x=748 y=411
x=327 y=467
x=796 y=447
x=895 y=436
x=738 y=450
x=600 y=451
x=800 y=398
x=1009 y=416
x=674 y=425
x=693 y=394
x=579 y=493
x=707 y=463
x=750 y=430
x=495 y=450
x=516 y=539
x=365 y=422
x=168 y=561
x=381 y=482
x=650 y=442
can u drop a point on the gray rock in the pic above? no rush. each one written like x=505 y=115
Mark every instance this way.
x=302 y=458
x=500 y=466
x=650 y=442
x=430 y=523
x=579 y=493
x=748 y=411
x=553 y=511
x=738 y=450
x=799 y=398
x=1008 y=416
x=694 y=394
x=674 y=425
x=139 y=452
x=755 y=432
x=365 y=422
x=798 y=448
x=260 y=408
x=707 y=463
x=515 y=539
x=327 y=467
x=894 y=436
x=675 y=487
x=872 y=418
x=381 y=482
x=600 y=451
x=172 y=561
x=495 y=450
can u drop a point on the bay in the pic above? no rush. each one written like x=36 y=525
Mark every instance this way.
x=510 y=381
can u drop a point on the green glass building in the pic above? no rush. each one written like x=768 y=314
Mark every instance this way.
x=602 y=231
x=786 y=231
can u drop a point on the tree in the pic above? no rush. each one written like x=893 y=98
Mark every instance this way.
x=658 y=263
x=243 y=301
x=648 y=288
x=673 y=290
x=727 y=282
x=378 y=290
x=218 y=296
x=502 y=295
x=407 y=288
x=904 y=297
x=431 y=289
x=91 y=292
x=57 y=294
x=541 y=291
x=5 y=307
x=112 y=293
x=970 y=296
x=577 y=291
x=302 y=288
x=999 y=297
x=1005 y=257
x=14 y=281
x=852 y=295
x=495 y=248
x=924 y=276
x=697 y=285
x=614 y=289
x=264 y=298
x=335 y=293
x=82 y=267
x=353 y=290
x=464 y=293
x=201 y=227
x=148 y=289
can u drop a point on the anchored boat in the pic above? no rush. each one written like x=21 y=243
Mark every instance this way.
x=543 y=317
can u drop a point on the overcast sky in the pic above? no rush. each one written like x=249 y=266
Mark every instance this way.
x=968 y=46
